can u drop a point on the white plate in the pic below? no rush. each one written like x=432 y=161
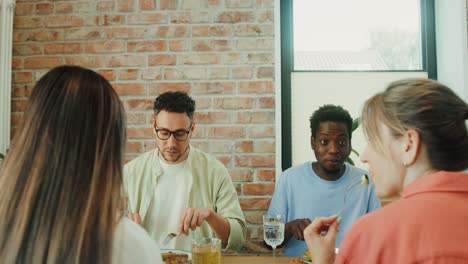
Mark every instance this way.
x=177 y=251
x=310 y=262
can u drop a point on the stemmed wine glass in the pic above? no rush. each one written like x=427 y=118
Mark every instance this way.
x=273 y=230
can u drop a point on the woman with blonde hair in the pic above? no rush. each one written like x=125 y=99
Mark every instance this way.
x=60 y=184
x=418 y=149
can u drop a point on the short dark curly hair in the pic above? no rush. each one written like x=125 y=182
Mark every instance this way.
x=333 y=113
x=178 y=102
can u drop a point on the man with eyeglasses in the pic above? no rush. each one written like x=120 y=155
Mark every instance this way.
x=177 y=188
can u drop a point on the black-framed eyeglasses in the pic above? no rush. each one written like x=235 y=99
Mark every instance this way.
x=179 y=134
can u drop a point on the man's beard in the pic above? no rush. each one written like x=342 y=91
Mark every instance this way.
x=178 y=157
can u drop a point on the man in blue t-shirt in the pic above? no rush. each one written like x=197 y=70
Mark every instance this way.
x=325 y=187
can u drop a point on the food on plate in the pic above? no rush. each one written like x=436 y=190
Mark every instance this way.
x=307 y=256
x=297 y=260
x=174 y=258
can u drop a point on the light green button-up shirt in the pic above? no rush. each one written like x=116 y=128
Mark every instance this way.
x=211 y=187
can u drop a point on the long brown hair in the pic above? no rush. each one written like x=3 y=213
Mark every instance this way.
x=61 y=180
x=429 y=107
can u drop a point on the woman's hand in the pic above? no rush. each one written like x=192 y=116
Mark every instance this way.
x=320 y=237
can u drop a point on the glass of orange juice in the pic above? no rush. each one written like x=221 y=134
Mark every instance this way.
x=206 y=251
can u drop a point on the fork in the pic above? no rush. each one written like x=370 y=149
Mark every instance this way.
x=168 y=238
x=364 y=180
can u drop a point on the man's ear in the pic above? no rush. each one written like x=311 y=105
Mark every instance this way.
x=411 y=147
x=312 y=142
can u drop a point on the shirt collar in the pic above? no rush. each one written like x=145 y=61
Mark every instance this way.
x=442 y=181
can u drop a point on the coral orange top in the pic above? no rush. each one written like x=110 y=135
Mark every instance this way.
x=429 y=224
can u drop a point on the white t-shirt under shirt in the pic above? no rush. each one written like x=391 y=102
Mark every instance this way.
x=170 y=199
x=133 y=245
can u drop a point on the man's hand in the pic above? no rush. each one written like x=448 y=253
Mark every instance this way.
x=320 y=237
x=296 y=228
x=193 y=218
x=135 y=218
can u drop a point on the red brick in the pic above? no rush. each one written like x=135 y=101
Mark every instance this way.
x=233 y=103
x=128 y=74
x=44 y=8
x=85 y=61
x=134 y=147
x=139 y=132
x=169 y=31
x=226 y=132
x=258 y=188
x=163 y=59
x=17 y=63
x=241 y=175
x=266 y=72
x=105 y=6
x=253 y=87
x=42 y=62
x=126 y=5
x=266 y=175
x=27 y=49
x=261 y=131
x=264 y=146
x=213 y=88
x=211 y=31
x=139 y=104
x=261 y=58
x=203 y=103
x=28 y=22
x=147 y=19
x=141 y=46
x=21 y=90
x=200 y=59
x=63 y=8
x=255 y=160
x=168 y=4
x=124 y=33
x=218 y=73
x=235 y=17
x=129 y=88
x=151 y=74
x=265 y=16
x=256 y=117
x=244 y=72
x=178 y=45
x=149 y=145
x=22 y=77
x=238 y=3
x=109 y=20
x=264 y=3
x=18 y=105
x=22 y=9
x=211 y=45
x=267 y=102
x=212 y=117
x=136 y=118
x=147 y=4
x=254 y=203
x=244 y=146
x=234 y=58
x=63 y=48
x=159 y=88
x=127 y=61
x=225 y=160
x=108 y=74
x=83 y=33
x=63 y=21
x=105 y=47
x=214 y=3
x=255 y=218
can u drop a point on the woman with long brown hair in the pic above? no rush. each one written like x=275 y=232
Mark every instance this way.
x=418 y=149
x=60 y=184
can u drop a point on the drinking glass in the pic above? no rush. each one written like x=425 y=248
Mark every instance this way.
x=273 y=230
x=206 y=251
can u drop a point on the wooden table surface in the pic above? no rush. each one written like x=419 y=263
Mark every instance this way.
x=254 y=260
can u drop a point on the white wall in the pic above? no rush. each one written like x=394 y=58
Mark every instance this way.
x=451 y=45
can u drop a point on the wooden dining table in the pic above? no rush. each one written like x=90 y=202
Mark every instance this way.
x=255 y=260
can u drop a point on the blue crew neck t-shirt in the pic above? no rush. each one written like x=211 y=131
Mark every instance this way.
x=300 y=193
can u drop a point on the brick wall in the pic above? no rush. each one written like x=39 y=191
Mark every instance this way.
x=220 y=51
